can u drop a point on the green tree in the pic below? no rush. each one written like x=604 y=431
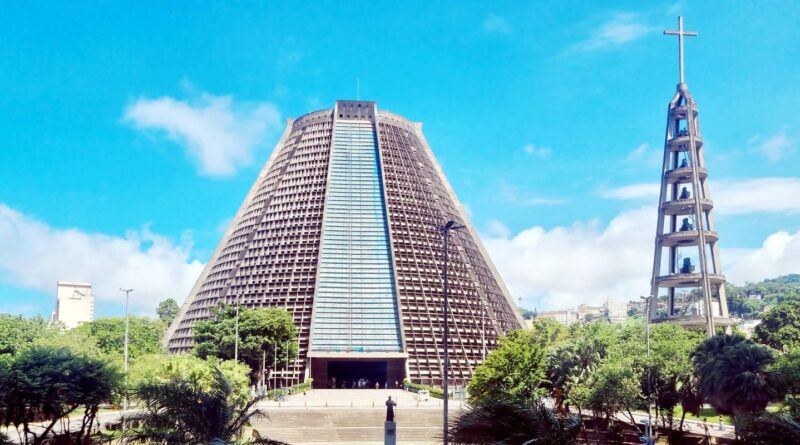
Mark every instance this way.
x=777 y=429
x=144 y=335
x=75 y=340
x=515 y=372
x=16 y=332
x=167 y=310
x=614 y=388
x=504 y=422
x=780 y=326
x=549 y=332
x=262 y=333
x=180 y=412
x=526 y=313
x=668 y=367
x=51 y=383
x=736 y=376
x=570 y=363
x=159 y=368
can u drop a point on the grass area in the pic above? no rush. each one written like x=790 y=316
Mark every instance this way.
x=707 y=413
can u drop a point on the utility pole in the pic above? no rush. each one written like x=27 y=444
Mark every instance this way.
x=125 y=360
x=451 y=225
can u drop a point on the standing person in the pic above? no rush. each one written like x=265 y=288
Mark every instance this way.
x=721 y=426
x=377 y=385
x=390 y=404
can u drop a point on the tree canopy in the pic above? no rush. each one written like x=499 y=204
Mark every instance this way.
x=144 y=335
x=45 y=382
x=780 y=326
x=735 y=375
x=16 y=332
x=516 y=371
x=157 y=368
x=262 y=333
x=167 y=310
x=179 y=411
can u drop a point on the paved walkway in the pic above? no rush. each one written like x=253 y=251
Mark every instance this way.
x=358 y=398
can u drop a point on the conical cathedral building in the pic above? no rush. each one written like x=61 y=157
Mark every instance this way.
x=340 y=229
x=687 y=284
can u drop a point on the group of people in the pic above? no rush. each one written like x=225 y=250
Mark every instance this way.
x=361 y=384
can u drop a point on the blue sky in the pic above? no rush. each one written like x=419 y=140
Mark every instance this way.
x=130 y=134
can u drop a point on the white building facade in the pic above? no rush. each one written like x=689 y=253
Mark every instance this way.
x=74 y=304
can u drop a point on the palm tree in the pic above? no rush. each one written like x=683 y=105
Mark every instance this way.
x=691 y=398
x=744 y=382
x=178 y=412
x=568 y=363
x=778 y=429
x=513 y=423
x=735 y=375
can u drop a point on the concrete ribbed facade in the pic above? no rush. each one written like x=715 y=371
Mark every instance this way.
x=339 y=229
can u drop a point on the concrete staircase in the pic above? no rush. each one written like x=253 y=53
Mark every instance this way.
x=348 y=416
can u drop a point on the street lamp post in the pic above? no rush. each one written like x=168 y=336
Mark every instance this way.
x=451 y=225
x=649 y=427
x=125 y=358
x=236 y=334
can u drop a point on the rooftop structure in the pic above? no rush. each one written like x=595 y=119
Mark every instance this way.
x=340 y=229
x=686 y=256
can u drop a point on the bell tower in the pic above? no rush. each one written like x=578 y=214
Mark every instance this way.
x=687 y=287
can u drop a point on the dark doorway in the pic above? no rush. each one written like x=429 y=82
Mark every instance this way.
x=357 y=374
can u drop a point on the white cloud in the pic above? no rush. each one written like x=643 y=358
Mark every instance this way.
x=731 y=196
x=583 y=263
x=622 y=28
x=773 y=195
x=34 y=255
x=493 y=23
x=589 y=263
x=779 y=254
x=539 y=152
x=219 y=135
x=774 y=148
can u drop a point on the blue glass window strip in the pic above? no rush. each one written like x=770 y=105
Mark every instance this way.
x=355 y=304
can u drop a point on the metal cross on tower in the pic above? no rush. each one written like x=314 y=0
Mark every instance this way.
x=680 y=33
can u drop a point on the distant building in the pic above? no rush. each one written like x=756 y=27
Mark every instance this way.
x=615 y=311
x=636 y=307
x=566 y=317
x=74 y=304
x=748 y=326
x=585 y=311
x=755 y=295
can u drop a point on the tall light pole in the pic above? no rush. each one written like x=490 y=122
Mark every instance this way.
x=236 y=335
x=125 y=358
x=451 y=225
x=649 y=429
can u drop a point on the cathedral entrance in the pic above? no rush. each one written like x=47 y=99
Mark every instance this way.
x=344 y=373
x=356 y=374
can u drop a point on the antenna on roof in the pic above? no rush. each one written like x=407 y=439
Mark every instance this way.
x=358 y=88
